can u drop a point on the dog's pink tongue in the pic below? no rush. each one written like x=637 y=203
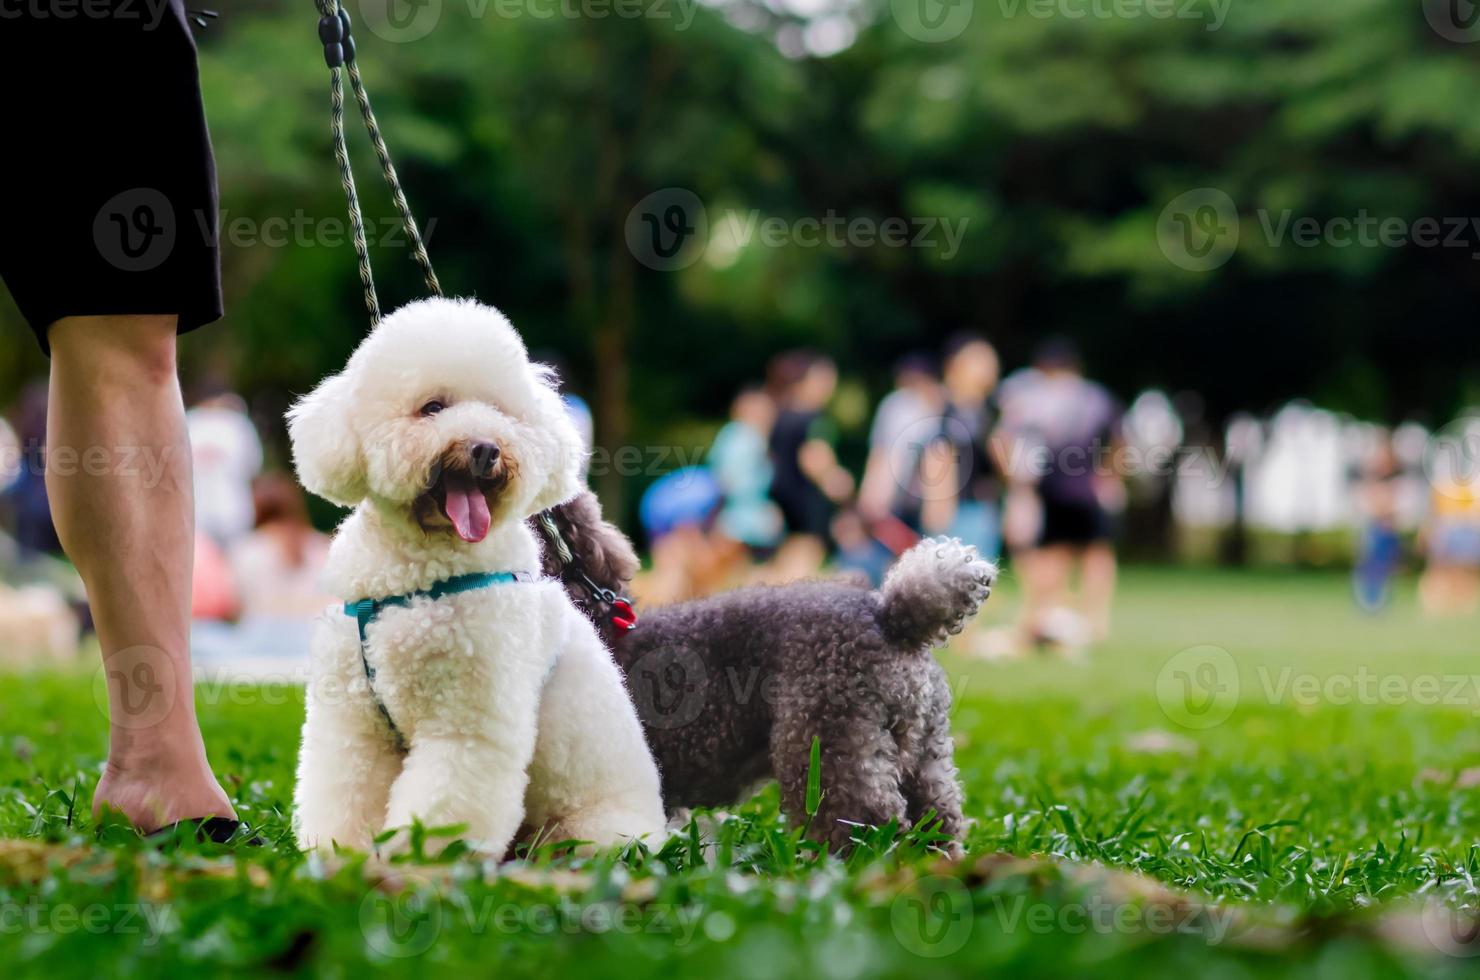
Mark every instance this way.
x=466 y=507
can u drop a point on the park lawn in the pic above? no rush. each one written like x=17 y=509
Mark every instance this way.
x=1311 y=802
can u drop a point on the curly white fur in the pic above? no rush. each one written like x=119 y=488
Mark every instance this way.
x=513 y=710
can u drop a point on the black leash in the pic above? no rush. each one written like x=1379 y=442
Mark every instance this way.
x=339 y=55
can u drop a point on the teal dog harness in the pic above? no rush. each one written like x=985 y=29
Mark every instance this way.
x=365 y=610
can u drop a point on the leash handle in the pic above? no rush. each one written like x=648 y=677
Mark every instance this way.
x=339 y=54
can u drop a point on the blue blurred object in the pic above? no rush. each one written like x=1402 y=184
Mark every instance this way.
x=1380 y=555
x=868 y=558
x=977 y=524
x=741 y=467
x=686 y=497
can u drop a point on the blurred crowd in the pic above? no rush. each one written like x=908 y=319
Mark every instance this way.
x=954 y=448
x=1044 y=468
x=255 y=587
x=1039 y=466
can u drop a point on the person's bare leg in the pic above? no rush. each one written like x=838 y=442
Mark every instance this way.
x=118 y=475
x=1431 y=591
x=1097 y=585
x=1045 y=578
x=1464 y=590
x=669 y=579
x=800 y=556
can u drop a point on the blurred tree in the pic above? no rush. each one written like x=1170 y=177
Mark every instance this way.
x=527 y=134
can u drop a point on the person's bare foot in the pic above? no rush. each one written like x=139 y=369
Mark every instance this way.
x=161 y=790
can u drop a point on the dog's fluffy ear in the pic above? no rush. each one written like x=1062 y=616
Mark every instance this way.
x=599 y=547
x=326 y=450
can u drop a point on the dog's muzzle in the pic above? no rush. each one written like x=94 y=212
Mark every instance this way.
x=462 y=483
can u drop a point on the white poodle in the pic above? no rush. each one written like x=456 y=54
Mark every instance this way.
x=466 y=690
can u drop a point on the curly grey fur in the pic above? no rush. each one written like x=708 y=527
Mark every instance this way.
x=731 y=689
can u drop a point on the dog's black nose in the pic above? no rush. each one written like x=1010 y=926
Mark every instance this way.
x=483 y=455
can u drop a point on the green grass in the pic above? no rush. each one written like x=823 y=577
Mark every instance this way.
x=1297 y=834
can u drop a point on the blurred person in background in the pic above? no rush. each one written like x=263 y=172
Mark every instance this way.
x=807 y=481
x=212 y=584
x=689 y=558
x=1155 y=431
x=274 y=595
x=858 y=552
x=906 y=459
x=1450 y=584
x=43 y=608
x=277 y=565
x=904 y=441
x=25 y=498
x=35 y=620
x=1057 y=428
x=741 y=465
x=227 y=454
x=576 y=407
x=971 y=370
x=1380 y=549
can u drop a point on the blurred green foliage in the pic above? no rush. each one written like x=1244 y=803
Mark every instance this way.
x=526 y=133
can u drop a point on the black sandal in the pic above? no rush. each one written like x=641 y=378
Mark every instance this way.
x=214 y=830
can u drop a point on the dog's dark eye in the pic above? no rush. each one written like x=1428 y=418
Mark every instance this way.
x=432 y=407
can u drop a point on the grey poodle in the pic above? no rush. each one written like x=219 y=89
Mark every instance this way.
x=732 y=689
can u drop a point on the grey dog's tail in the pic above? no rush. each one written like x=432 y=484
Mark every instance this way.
x=933 y=591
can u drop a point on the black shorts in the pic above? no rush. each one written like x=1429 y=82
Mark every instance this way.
x=110 y=186
x=1074 y=523
x=804 y=510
